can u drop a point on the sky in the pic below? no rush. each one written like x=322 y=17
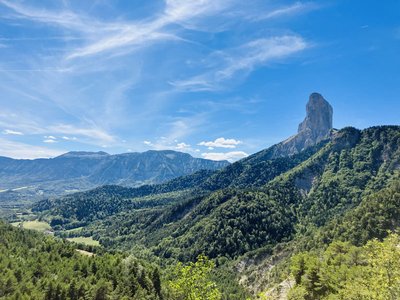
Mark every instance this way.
x=219 y=79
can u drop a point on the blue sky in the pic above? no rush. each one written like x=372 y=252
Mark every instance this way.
x=218 y=79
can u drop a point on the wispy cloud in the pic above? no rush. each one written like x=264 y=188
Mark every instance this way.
x=63 y=18
x=104 y=36
x=143 y=33
x=244 y=59
x=94 y=133
x=22 y=150
x=230 y=156
x=290 y=10
x=221 y=143
x=24 y=125
x=12 y=132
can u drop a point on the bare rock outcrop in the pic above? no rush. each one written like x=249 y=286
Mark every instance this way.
x=316 y=127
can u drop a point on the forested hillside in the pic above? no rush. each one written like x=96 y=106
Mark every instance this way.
x=344 y=271
x=341 y=189
x=254 y=171
x=318 y=187
x=34 y=266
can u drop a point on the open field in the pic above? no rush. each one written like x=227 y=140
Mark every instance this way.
x=83 y=252
x=84 y=240
x=36 y=225
x=73 y=229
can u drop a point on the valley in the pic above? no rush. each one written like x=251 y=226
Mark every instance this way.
x=256 y=219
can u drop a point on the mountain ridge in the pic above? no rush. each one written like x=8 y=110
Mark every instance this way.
x=79 y=170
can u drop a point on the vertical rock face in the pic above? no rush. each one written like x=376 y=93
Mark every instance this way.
x=318 y=122
x=317 y=126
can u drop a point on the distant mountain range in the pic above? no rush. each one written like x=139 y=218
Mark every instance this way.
x=77 y=171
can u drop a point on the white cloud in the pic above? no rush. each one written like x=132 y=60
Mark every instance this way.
x=49 y=141
x=221 y=143
x=243 y=60
x=50 y=137
x=230 y=156
x=67 y=138
x=147 y=143
x=182 y=146
x=21 y=150
x=12 y=132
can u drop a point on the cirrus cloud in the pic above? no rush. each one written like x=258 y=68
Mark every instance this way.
x=243 y=60
x=25 y=151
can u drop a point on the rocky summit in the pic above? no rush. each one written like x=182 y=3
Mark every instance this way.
x=318 y=122
x=316 y=127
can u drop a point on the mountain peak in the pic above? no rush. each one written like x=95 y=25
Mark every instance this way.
x=316 y=127
x=84 y=154
x=318 y=122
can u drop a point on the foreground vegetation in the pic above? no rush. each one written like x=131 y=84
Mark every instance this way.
x=347 y=272
x=35 y=266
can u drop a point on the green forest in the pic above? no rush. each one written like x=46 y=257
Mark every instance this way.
x=324 y=221
x=34 y=266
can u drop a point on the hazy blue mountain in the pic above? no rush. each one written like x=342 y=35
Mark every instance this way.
x=75 y=171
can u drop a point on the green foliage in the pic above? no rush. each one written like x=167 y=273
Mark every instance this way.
x=192 y=281
x=235 y=222
x=34 y=266
x=349 y=272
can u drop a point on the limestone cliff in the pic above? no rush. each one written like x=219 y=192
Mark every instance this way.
x=317 y=126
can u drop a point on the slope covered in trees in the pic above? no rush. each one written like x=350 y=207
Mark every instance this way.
x=343 y=189
x=348 y=272
x=34 y=266
x=241 y=218
x=254 y=171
